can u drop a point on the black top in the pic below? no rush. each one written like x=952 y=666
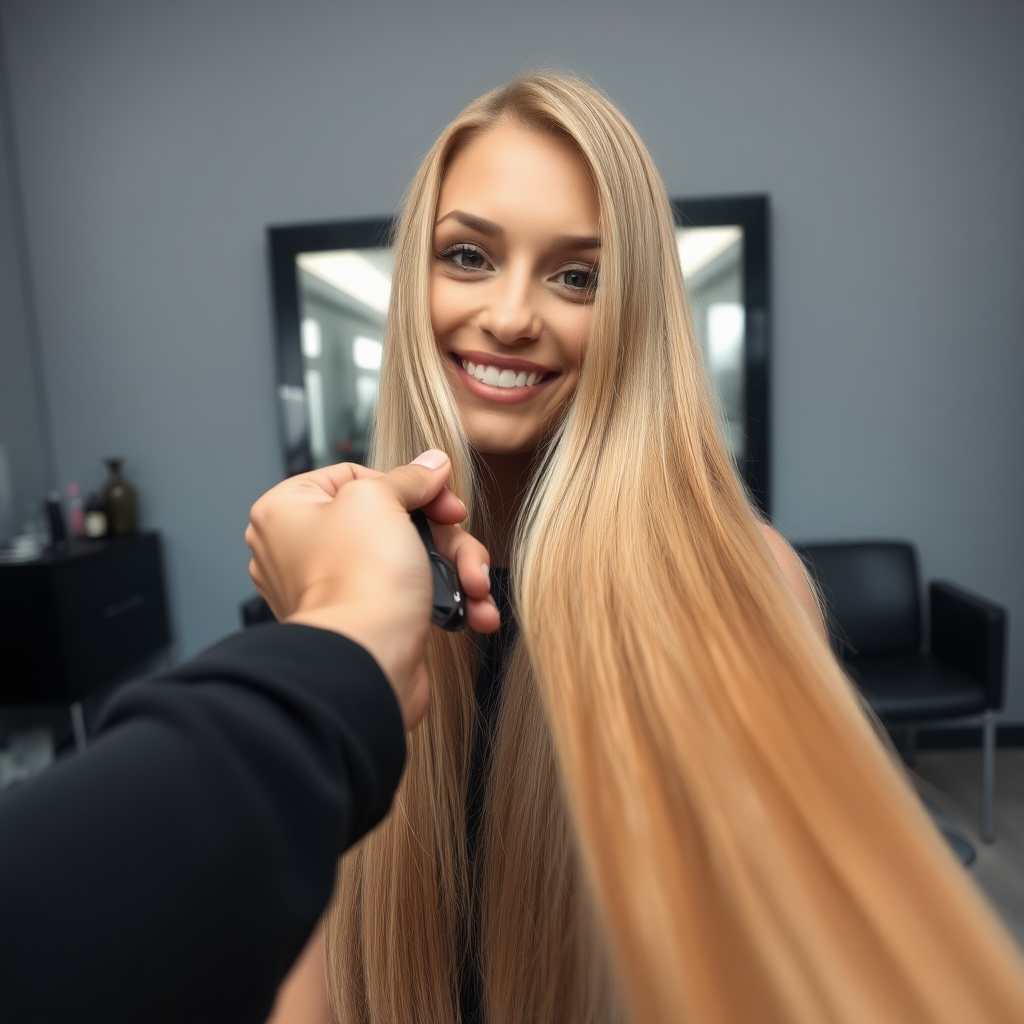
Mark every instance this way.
x=488 y=700
x=175 y=869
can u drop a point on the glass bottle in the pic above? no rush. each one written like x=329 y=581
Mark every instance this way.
x=119 y=499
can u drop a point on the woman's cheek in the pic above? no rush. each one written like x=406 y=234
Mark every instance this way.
x=575 y=333
x=444 y=307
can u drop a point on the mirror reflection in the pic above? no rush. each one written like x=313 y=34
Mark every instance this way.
x=343 y=299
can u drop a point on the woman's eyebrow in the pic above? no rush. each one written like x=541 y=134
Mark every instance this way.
x=488 y=227
x=485 y=227
x=577 y=242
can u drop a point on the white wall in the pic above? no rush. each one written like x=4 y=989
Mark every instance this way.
x=157 y=140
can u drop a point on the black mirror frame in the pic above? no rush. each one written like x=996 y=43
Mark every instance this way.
x=751 y=213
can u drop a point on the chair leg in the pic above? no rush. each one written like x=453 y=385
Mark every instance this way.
x=988 y=776
x=909 y=743
x=78 y=725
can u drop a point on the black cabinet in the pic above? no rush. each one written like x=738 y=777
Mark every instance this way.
x=78 y=618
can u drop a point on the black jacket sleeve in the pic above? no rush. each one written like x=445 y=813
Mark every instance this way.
x=174 y=870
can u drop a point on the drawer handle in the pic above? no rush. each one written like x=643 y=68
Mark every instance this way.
x=113 y=610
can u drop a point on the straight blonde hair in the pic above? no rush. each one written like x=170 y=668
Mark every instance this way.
x=687 y=816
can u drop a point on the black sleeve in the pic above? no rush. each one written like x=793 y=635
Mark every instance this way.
x=174 y=870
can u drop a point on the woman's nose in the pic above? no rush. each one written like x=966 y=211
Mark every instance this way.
x=510 y=315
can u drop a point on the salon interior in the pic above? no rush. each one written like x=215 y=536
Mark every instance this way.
x=195 y=270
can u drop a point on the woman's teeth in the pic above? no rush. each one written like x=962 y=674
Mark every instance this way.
x=500 y=378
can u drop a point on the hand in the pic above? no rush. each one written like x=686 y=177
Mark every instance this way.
x=336 y=549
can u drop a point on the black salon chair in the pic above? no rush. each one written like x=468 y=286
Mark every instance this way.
x=255 y=611
x=873 y=595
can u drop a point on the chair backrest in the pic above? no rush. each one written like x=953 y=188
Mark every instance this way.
x=872 y=591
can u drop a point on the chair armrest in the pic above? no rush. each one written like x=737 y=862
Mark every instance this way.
x=970 y=632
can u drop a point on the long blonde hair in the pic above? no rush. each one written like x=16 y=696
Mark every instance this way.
x=687 y=816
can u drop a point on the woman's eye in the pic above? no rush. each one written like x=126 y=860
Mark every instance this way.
x=465 y=257
x=578 y=279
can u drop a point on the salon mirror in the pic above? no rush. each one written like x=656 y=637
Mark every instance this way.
x=331 y=284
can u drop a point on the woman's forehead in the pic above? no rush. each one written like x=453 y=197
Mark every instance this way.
x=520 y=178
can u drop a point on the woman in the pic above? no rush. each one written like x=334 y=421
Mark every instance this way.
x=685 y=815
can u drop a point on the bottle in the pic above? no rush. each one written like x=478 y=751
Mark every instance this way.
x=119 y=499
x=76 y=511
x=95 y=517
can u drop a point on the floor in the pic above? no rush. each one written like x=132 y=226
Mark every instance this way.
x=951 y=780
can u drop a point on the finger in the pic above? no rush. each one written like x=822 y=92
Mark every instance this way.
x=468 y=555
x=331 y=479
x=446 y=508
x=421 y=481
x=483 y=616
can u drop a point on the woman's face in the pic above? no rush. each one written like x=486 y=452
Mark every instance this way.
x=516 y=246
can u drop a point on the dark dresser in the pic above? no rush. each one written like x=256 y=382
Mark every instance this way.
x=79 y=617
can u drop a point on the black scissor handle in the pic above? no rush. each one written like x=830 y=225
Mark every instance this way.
x=449 y=603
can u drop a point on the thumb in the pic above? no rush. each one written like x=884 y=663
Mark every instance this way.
x=422 y=480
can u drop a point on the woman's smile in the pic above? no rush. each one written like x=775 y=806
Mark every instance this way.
x=501 y=379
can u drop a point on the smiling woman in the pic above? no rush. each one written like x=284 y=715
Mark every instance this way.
x=654 y=796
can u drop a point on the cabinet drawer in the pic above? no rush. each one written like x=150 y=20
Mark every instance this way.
x=108 y=586
x=106 y=640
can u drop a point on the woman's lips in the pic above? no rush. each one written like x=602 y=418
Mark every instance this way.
x=496 y=393
x=502 y=362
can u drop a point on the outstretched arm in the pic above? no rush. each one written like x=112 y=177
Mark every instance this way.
x=175 y=869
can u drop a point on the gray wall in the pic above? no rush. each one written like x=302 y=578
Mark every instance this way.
x=157 y=140
x=25 y=454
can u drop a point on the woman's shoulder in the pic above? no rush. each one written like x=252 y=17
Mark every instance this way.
x=794 y=573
